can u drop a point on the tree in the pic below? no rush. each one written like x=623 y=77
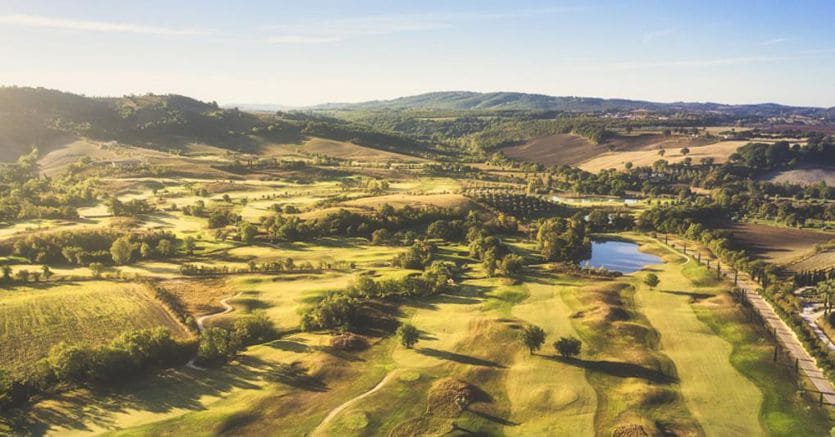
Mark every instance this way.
x=146 y=251
x=122 y=250
x=628 y=165
x=510 y=265
x=218 y=345
x=165 y=248
x=22 y=275
x=7 y=273
x=568 y=346
x=651 y=280
x=408 y=335
x=684 y=151
x=533 y=337
x=661 y=152
x=189 y=245
x=248 y=232
x=96 y=269
x=68 y=362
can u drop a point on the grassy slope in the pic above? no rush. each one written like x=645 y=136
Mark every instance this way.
x=543 y=404
x=722 y=399
x=32 y=319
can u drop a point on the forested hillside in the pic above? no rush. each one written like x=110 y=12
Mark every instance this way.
x=38 y=117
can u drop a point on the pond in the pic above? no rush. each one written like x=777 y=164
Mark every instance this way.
x=619 y=256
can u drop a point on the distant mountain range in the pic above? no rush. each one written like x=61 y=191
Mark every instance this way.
x=512 y=101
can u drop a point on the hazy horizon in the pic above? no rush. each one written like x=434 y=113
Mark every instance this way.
x=265 y=53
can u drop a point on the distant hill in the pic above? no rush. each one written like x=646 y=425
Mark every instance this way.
x=46 y=118
x=512 y=101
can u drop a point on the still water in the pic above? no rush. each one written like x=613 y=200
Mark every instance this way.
x=619 y=256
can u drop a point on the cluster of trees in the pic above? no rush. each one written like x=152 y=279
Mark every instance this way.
x=517 y=204
x=131 y=354
x=767 y=156
x=282 y=227
x=602 y=220
x=533 y=337
x=131 y=208
x=25 y=194
x=416 y=257
x=496 y=257
x=83 y=247
x=562 y=239
x=345 y=309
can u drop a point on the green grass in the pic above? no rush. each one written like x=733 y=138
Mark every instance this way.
x=722 y=399
x=33 y=319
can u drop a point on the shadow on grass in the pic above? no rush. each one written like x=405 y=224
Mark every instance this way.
x=459 y=358
x=173 y=389
x=694 y=297
x=618 y=369
x=294 y=375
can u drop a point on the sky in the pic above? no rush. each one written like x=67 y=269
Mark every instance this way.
x=308 y=52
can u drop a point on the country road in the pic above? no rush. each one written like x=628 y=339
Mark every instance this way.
x=332 y=414
x=200 y=320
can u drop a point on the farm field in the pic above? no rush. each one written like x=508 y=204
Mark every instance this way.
x=803 y=176
x=779 y=245
x=36 y=318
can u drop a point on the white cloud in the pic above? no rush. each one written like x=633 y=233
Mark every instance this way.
x=649 y=36
x=91 y=26
x=333 y=30
x=773 y=41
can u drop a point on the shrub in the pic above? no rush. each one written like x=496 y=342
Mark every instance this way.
x=408 y=335
x=218 y=345
x=568 y=346
x=255 y=329
x=349 y=342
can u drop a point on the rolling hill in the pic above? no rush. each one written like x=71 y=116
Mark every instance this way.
x=47 y=119
x=513 y=101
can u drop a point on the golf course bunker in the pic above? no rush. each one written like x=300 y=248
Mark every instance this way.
x=619 y=256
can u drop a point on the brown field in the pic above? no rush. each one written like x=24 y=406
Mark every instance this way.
x=199 y=296
x=777 y=244
x=823 y=260
x=555 y=149
x=571 y=149
x=336 y=149
x=402 y=200
x=718 y=151
x=804 y=176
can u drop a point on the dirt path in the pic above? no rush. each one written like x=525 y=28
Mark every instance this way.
x=333 y=413
x=200 y=320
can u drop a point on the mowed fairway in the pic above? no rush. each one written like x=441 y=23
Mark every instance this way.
x=721 y=399
x=541 y=403
x=33 y=319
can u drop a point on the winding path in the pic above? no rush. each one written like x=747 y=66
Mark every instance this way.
x=333 y=413
x=226 y=309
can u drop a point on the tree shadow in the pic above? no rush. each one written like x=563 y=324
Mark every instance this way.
x=694 y=297
x=294 y=375
x=458 y=358
x=618 y=369
x=173 y=389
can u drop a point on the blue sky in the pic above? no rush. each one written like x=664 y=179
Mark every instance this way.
x=308 y=52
